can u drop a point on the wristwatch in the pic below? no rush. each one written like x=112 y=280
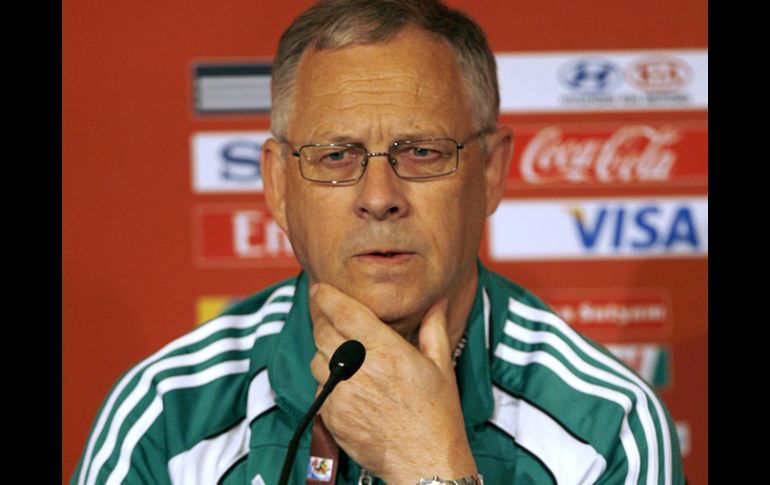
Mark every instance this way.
x=476 y=479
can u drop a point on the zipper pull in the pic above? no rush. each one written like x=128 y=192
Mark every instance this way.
x=365 y=478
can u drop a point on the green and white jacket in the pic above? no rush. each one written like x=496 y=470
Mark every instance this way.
x=542 y=404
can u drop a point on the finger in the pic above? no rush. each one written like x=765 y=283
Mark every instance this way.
x=353 y=319
x=324 y=409
x=327 y=338
x=319 y=367
x=434 y=337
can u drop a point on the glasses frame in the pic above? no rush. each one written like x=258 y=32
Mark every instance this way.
x=393 y=161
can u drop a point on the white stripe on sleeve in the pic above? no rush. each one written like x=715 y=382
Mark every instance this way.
x=542 y=316
x=197 y=335
x=145 y=384
x=570 y=460
x=648 y=426
x=207 y=461
x=547 y=360
x=156 y=408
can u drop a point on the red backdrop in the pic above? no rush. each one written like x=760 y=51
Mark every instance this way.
x=137 y=259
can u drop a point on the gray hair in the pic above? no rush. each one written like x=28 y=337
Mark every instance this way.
x=331 y=24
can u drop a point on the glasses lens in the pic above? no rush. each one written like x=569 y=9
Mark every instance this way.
x=425 y=158
x=331 y=163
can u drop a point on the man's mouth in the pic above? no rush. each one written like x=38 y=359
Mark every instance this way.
x=385 y=254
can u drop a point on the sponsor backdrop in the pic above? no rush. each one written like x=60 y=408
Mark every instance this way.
x=166 y=105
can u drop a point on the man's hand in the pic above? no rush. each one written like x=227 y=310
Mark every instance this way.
x=399 y=416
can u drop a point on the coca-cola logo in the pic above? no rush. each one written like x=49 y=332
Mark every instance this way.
x=659 y=74
x=633 y=153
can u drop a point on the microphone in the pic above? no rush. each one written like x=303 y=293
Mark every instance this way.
x=347 y=359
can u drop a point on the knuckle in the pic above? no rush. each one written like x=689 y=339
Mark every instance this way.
x=318 y=366
x=319 y=330
x=329 y=416
x=318 y=360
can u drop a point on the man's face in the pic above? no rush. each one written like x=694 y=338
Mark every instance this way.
x=395 y=245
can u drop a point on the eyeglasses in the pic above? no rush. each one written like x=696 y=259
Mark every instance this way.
x=345 y=163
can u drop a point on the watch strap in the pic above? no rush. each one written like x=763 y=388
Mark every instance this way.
x=476 y=479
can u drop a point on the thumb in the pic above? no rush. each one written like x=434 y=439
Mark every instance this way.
x=434 y=338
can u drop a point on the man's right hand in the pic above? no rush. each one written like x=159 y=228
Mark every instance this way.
x=399 y=416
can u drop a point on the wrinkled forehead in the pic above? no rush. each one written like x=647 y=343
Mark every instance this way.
x=410 y=82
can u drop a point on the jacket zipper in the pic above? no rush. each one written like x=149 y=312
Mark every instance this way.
x=365 y=478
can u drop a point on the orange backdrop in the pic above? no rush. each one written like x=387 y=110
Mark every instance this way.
x=133 y=227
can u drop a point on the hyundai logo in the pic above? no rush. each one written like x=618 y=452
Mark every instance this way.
x=592 y=75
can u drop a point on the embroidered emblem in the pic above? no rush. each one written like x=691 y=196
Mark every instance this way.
x=320 y=468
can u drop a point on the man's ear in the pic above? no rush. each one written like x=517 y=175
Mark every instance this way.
x=498 y=162
x=273 y=168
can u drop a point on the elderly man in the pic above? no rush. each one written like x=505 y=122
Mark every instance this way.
x=387 y=158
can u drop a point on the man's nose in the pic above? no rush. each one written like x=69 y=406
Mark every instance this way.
x=381 y=191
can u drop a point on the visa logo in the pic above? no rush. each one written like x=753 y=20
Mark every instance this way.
x=548 y=229
x=638 y=228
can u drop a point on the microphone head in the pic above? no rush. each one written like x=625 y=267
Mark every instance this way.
x=348 y=357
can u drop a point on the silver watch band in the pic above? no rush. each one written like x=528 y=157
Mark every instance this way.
x=476 y=479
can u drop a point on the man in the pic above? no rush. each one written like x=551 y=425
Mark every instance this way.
x=387 y=158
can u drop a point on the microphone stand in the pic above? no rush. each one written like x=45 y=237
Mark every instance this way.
x=291 y=453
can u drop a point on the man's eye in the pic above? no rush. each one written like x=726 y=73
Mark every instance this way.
x=421 y=155
x=339 y=157
x=421 y=152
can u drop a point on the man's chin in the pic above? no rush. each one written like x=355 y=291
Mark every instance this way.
x=400 y=301
x=394 y=306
